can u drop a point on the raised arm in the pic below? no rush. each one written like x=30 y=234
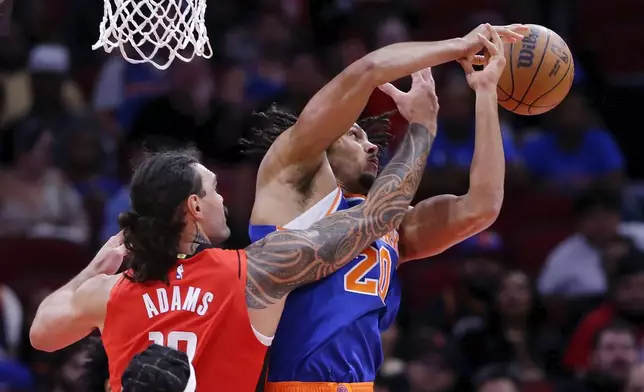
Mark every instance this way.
x=334 y=109
x=71 y=312
x=286 y=260
x=440 y=222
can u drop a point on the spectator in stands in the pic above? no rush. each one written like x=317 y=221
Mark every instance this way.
x=626 y=303
x=514 y=333
x=613 y=251
x=497 y=378
x=392 y=369
x=306 y=77
x=85 y=166
x=18 y=79
x=44 y=91
x=576 y=152
x=120 y=201
x=70 y=368
x=433 y=363
x=121 y=89
x=453 y=148
x=635 y=381
x=392 y=30
x=575 y=268
x=13 y=374
x=36 y=200
x=190 y=112
x=96 y=368
x=467 y=304
x=614 y=354
x=267 y=75
x=11 y=323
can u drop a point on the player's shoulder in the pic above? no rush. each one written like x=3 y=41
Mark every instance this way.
x=232 y=260
x=92 y=296
x=98 y=284
x=222 y=254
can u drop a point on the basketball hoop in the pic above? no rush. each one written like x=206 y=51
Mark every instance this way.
x=158 y=30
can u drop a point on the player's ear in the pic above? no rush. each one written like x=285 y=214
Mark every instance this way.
x=193 y=207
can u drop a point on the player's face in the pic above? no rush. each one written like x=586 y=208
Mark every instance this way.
x=209 y=211
x=354 y=160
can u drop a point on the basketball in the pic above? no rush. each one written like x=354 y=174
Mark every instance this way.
x=538 y=73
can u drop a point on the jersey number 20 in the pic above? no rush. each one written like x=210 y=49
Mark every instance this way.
x=173 y=340
x=355 y=280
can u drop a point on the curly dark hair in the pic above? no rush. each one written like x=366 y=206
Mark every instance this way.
x=159 y=369
x=274 y=122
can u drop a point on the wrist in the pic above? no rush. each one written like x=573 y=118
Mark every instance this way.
x=460 y=45
x=428 y=126
x=487 y=91
x=88 y=273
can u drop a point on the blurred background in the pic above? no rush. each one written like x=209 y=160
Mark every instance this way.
x=551 y=298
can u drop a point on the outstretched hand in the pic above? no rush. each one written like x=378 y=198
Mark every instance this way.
x=420 y=104
x=109 y=258
x=510 y=33
x=494 y=63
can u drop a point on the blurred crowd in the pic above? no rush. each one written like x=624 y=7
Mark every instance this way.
x=551 y=298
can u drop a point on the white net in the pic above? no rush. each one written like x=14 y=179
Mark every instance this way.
x=155 y=31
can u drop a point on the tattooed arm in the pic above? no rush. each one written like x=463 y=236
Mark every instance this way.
x=286 y=260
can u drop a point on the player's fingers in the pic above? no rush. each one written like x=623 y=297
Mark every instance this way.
x=512 y=32
x=488 y=45
x=416 y=77
x=479 y=60
x=390 y=90
x=120 y=250
x=494 y=36
x=115 y=240
x=467 y=66
x=427 y=76
x=519 y=28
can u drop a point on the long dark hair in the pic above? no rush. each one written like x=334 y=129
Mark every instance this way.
x=152 y=230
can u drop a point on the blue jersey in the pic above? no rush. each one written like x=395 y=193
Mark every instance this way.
x=330 y=330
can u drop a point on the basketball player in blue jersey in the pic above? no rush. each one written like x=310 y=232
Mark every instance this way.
x=329 y=336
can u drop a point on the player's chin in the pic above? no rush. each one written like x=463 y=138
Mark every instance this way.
x=225 y=234
x=367 y=179
x=371 y=170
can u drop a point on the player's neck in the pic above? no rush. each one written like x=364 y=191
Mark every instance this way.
x=191 y=240
x=349 y=191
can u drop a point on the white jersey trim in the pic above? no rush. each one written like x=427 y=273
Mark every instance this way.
x=326 y=206
x=263 y=339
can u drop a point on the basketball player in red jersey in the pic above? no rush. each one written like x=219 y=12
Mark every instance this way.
x=221 y=307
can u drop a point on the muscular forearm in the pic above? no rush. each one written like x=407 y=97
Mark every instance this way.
x=54 y=316
x=487 y=172
x=399 y=60
x=286 y=260
x=442 y=221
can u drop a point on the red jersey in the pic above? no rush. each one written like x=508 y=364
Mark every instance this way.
x=201 y=312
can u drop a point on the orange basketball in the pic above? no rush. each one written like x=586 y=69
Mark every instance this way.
x=538 y=73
